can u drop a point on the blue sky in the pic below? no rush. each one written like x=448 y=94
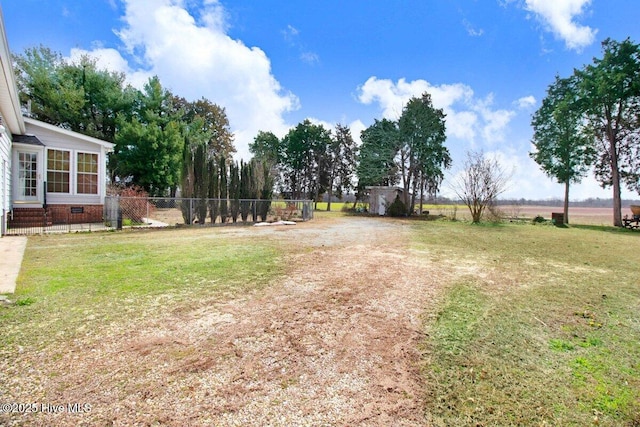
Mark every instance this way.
x=272 y=64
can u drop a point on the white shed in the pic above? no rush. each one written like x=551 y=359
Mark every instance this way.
x=380 y=197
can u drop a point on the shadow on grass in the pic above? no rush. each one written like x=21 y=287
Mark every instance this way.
x=603 y=228
x=424 y=217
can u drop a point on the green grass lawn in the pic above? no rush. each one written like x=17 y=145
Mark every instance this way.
x=335 y=206
x=541 y=325
x=73 y=283
x=544 y=329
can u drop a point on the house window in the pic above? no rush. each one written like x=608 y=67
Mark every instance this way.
x=28 y=174
x=87 y=178
x=58 y=164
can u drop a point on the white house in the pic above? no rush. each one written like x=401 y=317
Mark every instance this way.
x=59 y=171
x=10 y=123
x=48 y=174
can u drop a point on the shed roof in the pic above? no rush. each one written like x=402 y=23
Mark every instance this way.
x=384 y=187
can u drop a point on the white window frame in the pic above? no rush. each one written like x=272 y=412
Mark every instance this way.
x=78 y=173
x=69 y=172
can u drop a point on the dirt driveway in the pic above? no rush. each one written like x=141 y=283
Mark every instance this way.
x=334 y=343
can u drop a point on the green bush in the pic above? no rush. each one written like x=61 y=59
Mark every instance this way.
x=397 y=208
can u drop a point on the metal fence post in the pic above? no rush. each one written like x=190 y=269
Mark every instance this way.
x=118 y=214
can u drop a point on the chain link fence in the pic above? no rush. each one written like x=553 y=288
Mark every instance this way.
x=122 y=212
x=139 y=212
x=62 y=225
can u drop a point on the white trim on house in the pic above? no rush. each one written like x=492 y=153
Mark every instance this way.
x=9 y=100
x=11 y=122
x=73 y=196
x=5 y=177
x=53 y=137
x=18 y=200
x=34 y=125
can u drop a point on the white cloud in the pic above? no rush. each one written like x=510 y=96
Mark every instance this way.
x=292 y=36
x=356 y=129
x=310 y=57
x=471 y=30
x=524 y=178
x=111 y=59
x=323 y=123
x=475 y=123
x=213 y=15
x=194 y=57
x=467 y=116
x=529 y=181
x=462 y=124
x=526 y=102
x=495 y=121
x=290 y=32
x=559 y=16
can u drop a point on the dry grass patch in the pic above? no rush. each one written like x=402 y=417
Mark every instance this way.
x=339 y=321
x=331 y=340
x=546 y=334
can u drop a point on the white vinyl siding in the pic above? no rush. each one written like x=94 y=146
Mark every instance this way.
x=5 y=176
x=87 y=164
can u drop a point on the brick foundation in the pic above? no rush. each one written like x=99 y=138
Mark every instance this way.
x=74 y=214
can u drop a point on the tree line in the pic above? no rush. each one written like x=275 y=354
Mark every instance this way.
x=150 y=128
x=223 y=188
x=311 y=161
x=164 y=143
x=591 y=120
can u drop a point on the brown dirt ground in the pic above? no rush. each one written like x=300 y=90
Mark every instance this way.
x=335 y=342
x=577 y=215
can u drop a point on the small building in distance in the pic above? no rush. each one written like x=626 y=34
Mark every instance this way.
x=380 y=197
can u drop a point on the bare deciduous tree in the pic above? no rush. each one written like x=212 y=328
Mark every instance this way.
x=480 y=183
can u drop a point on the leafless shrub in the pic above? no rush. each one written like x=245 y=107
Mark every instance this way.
x=480 y=183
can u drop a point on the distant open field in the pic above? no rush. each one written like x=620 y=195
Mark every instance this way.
x=577 y=215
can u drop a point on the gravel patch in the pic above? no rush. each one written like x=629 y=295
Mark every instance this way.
x=335 y=342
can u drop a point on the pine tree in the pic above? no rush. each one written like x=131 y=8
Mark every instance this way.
x=187 y=180
x=214 y=190
x=245 y=190
x=234 y=190
x=266 y=192
x=201 y=182
x=224 y=189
